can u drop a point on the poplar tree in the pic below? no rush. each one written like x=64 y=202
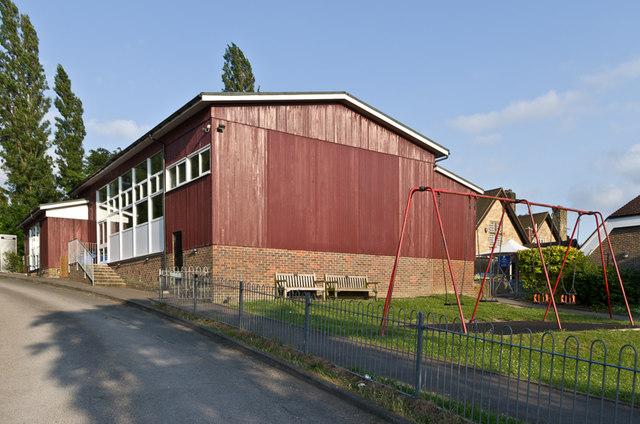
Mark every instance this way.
x=97 y=158
x=24 y=132
x=237 y=74
x=70 y=133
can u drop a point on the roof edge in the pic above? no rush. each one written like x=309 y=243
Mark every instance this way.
x=205 y=98
x=458 y=178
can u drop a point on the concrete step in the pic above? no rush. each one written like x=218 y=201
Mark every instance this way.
x=104 y=275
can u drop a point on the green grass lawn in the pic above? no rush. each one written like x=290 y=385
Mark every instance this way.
x=487 y=311
x=522 y=356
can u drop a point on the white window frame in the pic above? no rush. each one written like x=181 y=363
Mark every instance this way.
x=171 y=185
x=116 y=214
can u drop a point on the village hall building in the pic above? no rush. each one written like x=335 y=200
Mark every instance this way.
x=251 y=184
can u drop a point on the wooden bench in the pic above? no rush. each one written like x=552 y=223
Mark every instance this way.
x=350 y=284
x=287 y=283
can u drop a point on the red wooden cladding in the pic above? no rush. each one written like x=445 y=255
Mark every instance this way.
x=188 y=209
x=55 y=233
x=278 y=190
x=239 y=159
x=459 y=218
x=329 y=197
x=328 y=122
x=187 y=138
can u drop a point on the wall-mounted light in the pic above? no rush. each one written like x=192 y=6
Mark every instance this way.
x=220 y=128
x=207 y=128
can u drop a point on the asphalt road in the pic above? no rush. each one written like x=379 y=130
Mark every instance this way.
x=70 y=357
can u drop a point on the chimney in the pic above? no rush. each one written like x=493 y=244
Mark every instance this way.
x=559 y=217
x=511 y=195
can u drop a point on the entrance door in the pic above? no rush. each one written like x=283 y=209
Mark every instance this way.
x=177 y=249
x=102 y=242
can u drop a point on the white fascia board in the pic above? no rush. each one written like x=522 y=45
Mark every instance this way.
x=458 y=179
x=591 y=243
x=80 y=212
x=215 y=98
x=65 y=204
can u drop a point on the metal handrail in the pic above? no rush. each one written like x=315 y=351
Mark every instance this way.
x=78 y=253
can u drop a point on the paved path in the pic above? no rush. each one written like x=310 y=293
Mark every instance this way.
x=74 y=357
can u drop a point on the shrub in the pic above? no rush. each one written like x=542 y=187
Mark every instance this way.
x=13 y=262
x=532 y=275
x=589 y=281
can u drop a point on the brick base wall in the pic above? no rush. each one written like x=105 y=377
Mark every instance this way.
x=415 y=277
x=48 y=273
x=140 y=273
x=77 y=274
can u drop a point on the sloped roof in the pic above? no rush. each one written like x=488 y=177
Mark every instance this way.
x=205 y=99
x=539 y=218
x=483 y=206
x=629 y=209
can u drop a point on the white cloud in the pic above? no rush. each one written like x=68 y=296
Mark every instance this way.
x=117 y=128
x=549 y=104
x=614 y=75
x=625 y=163
x=487 y=139
x=604 y=198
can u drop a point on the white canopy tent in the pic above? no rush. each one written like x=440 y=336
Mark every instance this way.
x=510 y=246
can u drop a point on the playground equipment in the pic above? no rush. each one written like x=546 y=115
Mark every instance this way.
x=549 y=297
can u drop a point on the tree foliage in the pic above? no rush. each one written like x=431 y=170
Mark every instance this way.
x=24 y=131
x=70 y=133
x=97 y=159
x=532 y=274
x=237 y=74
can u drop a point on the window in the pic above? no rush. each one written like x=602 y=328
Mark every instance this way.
x=205 y=161
x=127 y=180
x=142 y=212
x=192 y=167
x=102 y=194
x=156 y=207
x=182 y=173
x=115 y=227
x=114 y=189
x=156 y=163
x=141 y=172
x=126 y=199
x=127 y=218
x=156 y=184
x=171 y=178
x=141 y=191
x=491 y=232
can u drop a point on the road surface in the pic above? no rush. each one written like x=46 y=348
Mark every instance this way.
x=71 y=357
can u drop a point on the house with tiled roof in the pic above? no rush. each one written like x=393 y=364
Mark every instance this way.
x=623 y=230
x=488 y=213
x=550 y=231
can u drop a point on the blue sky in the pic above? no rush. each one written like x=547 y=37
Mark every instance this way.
x=542 y=97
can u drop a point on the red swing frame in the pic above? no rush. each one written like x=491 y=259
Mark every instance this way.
x=600 y=225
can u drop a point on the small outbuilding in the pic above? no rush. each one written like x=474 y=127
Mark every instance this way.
x=8 y=244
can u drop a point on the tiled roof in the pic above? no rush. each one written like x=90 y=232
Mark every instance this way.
x=631 y=208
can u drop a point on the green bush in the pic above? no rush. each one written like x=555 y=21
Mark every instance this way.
x=591 y=288
x=13 y=262
x=532 y=275
x=589 y=280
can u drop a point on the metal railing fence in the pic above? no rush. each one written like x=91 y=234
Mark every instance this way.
x=490 y=375
x=84 y=255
